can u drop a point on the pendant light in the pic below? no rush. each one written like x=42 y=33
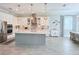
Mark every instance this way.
x=31 y=10
x=45 y=4
x=31 y=7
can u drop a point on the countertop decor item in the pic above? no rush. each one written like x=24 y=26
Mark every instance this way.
x=38 y=18
x=17 y=26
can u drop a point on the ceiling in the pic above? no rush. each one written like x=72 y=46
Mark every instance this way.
x=25 y=9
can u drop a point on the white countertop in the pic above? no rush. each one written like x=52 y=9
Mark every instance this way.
x=30 y=33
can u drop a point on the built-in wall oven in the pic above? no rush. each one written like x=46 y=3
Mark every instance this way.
x=9 y=28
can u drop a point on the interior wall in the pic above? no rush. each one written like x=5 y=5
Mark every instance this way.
x=7 y=17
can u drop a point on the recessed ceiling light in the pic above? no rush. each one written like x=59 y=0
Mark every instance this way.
x=45 y=3
x=10 y=8
x=19 y=5
x=31 y=4
x=64 y=5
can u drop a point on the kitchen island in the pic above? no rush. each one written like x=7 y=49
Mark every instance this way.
x=30 y=38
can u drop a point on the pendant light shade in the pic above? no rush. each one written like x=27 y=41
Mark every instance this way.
x=45 y=4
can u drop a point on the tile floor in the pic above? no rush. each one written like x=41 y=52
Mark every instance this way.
x=54 y=46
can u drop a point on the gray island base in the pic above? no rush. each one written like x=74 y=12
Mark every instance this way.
x=30 y=39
